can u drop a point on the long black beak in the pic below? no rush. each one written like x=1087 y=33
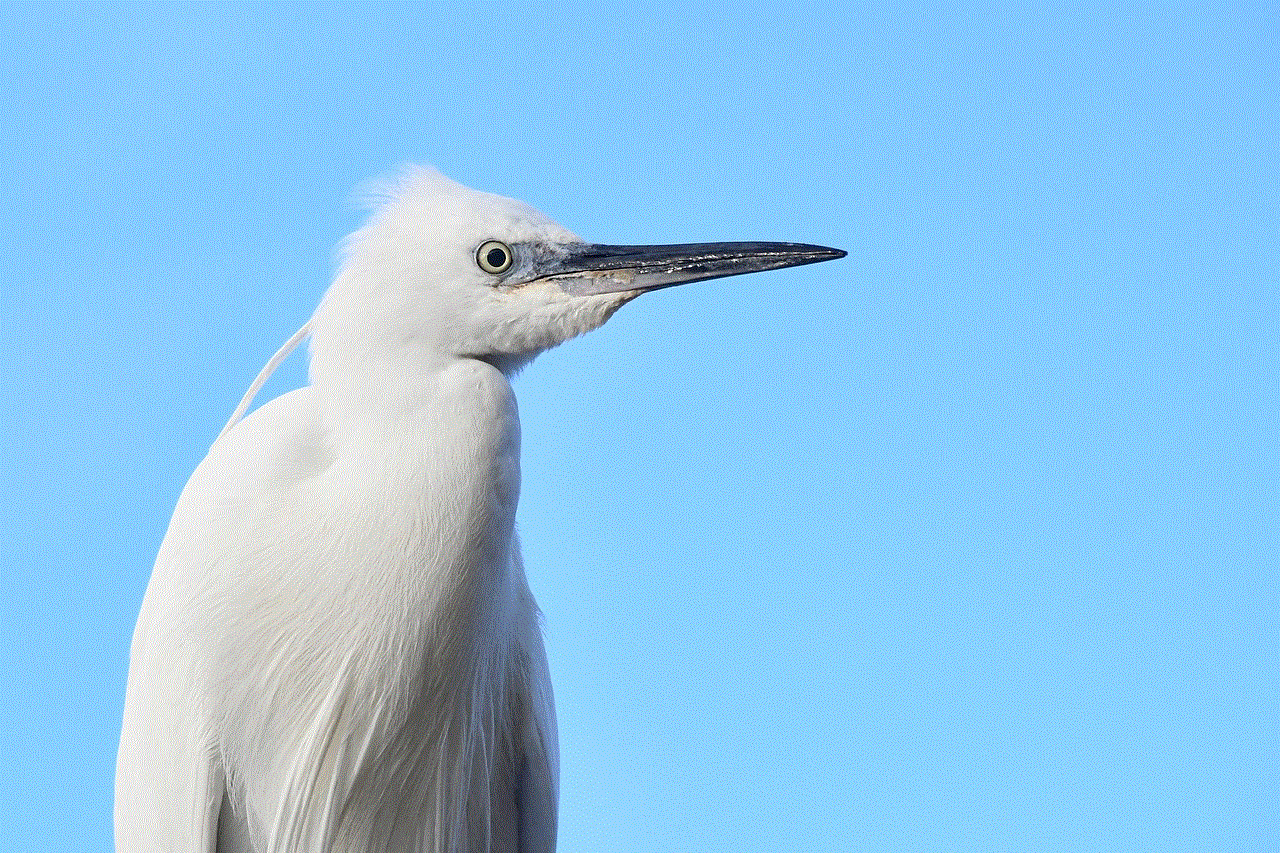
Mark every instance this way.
x=586 y=269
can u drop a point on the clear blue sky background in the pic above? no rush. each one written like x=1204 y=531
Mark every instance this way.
x=966 y=542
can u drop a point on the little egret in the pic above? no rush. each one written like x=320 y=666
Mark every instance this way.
x=338 y=650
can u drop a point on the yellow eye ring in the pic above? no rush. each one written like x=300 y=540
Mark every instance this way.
x=494 y=257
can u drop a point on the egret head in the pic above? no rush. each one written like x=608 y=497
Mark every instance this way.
x=441 y=271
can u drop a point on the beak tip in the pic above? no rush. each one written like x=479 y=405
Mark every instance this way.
x=817 y=254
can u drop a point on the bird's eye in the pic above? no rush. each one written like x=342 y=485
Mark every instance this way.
x=494 y=257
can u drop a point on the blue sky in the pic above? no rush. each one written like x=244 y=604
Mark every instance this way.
x=966 y=542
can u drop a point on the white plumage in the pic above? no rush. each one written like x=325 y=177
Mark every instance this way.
x=338 y=650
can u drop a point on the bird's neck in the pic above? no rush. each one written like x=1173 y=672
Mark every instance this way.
x=436 y=450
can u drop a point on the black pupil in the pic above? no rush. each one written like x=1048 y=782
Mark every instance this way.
x=495 y=257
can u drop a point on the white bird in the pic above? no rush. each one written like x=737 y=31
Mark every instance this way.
x=338 y=651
